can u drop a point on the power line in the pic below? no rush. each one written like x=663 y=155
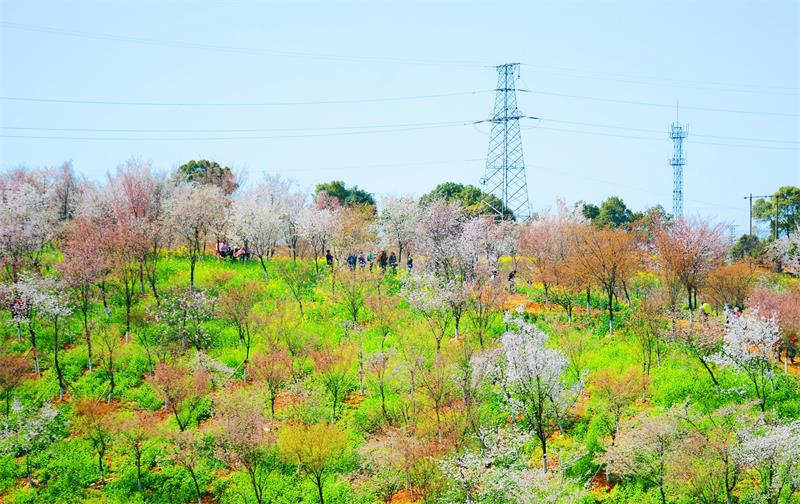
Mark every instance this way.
x=233 y=49
x=660 y=105
x=544 y=120
x=663 y=79
x=266 y=137
x=720 y=144
x=225 y=130
x=389 y=165
x=660 y=132
x=616 y=77
x=240 y=104
x=668 y=84
x=639 y=189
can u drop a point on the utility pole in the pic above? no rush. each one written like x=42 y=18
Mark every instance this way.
x=505 y=166
x=751 y=211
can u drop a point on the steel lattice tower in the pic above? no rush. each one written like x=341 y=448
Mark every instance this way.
x=678 y=134
x=505 y=166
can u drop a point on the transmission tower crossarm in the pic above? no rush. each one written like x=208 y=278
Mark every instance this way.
x=505 y=175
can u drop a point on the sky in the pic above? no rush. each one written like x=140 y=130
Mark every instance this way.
x=385 y=95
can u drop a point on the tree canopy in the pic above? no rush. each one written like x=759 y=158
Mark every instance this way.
x=209 y=172
x=346 y=196
x=787 y=203
x=474 y=201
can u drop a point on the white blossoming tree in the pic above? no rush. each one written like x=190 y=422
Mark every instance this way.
x=774 y=451
x=398 y=223
x=28 y=221
x=532 y=378
x=256 y=220
x=749 y=345
x=193 y=212
x=30 y=432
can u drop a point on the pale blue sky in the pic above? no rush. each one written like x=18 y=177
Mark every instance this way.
x=712 y=55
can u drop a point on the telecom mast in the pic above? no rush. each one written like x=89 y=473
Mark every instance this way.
x=505 y=166
x=678 y=134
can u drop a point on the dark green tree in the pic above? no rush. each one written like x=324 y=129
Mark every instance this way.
x=347 y=196
x=787 y=203
x=614 y=213
x=589 y=210
x=474 y=201
x=748 y=246
x=209 y=172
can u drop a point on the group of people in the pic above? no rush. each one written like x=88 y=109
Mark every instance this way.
x=224 y=251
x=382 y=259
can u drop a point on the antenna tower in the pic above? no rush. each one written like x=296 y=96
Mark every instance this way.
x=505 y=165
x=678 y=134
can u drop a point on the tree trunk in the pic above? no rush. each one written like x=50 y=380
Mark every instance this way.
x=196 y=485
x=33 y=347
x=589 y=301
x=104 y=297
x=192 y=263
x=102 y=469
x=319 y=489
x=139 y=471
x=610 y=311
x=264 y=267
x=88 y=337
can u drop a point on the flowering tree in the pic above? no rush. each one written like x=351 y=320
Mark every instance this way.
x=273 y=369
x=432 y=299
x=12 y=371
x=391 y=458
x=643 y=449
x=192 y=213
x=243 y=440
x=532 y=379
x=292 y=233
x=46 y=300
x=690 y=250
x=706 y=462
x=31 y=430
x=94 y=421
x=785 y=307
x=609 y=257
x=256 y=221
x=749 y=345
x=438 y=235
x=730 y=285
x=787 y=251
x=181 y=392
x=546 y=244
x=138 y=202
x=134 y=431
x=774 y=450
x=28 y=221
x=188 y=449
x=355 y=232
x=85 y=263
x=317 y=226
x=66 y=190
x=489 y=471
x=185 y=312
x=398 y=222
